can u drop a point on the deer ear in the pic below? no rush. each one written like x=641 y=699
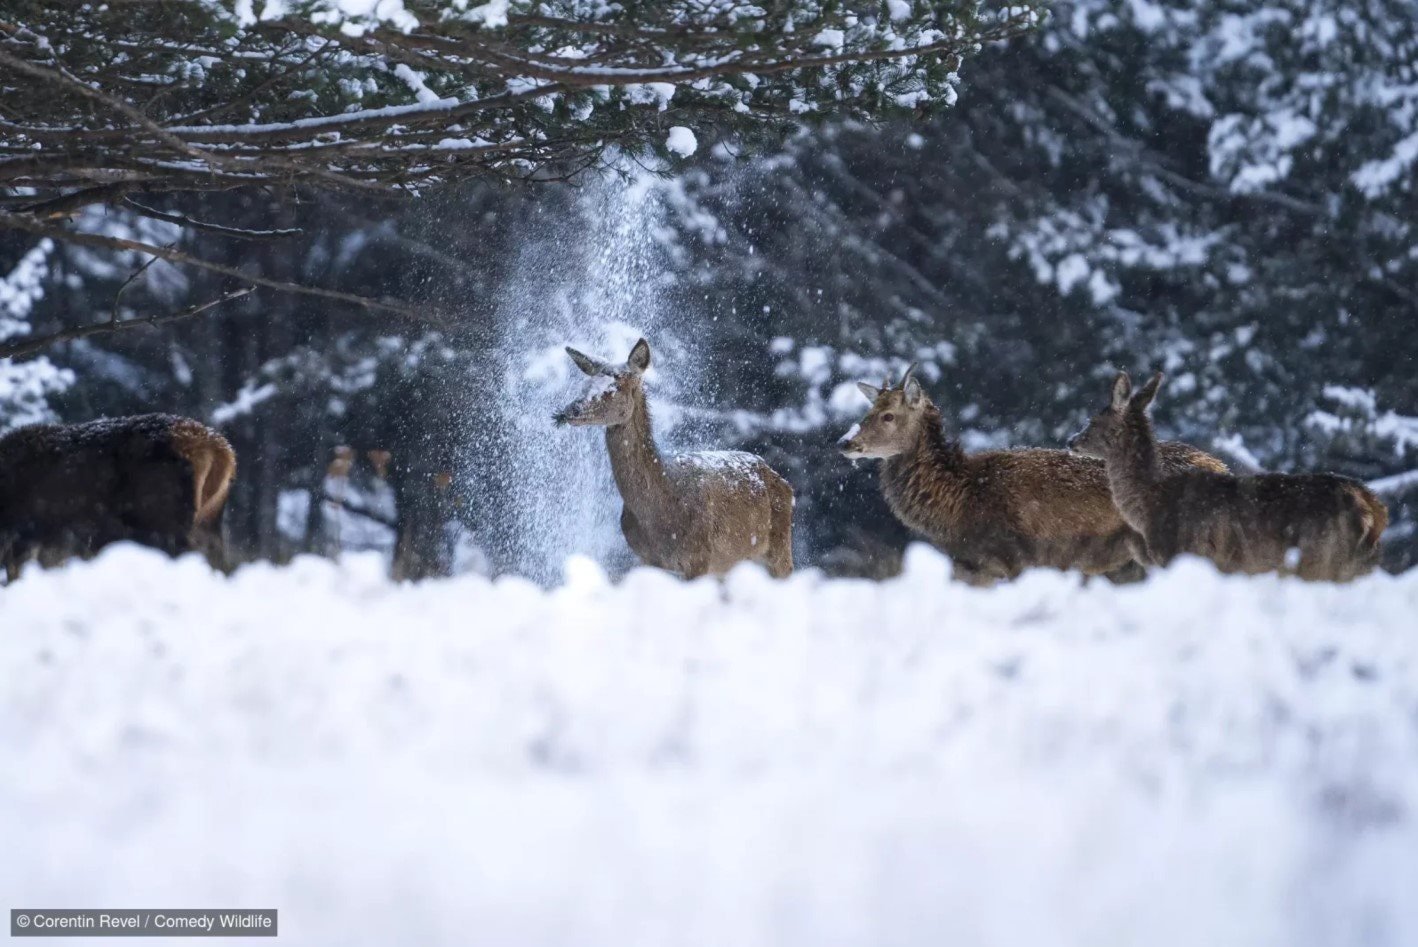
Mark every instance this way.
x=639 y=359
x=1143 y=398
x=589 y=365
x=913 y=391
x=871 y=391
x=1122 y=389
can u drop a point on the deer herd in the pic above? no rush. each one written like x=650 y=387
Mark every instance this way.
x=1117 y=502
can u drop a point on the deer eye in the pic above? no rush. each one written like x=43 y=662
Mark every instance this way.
x=888 y=416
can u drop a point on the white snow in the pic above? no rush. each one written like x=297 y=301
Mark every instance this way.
x=733 y=464
x=1195 y=760
x=417 y=83
x=247 y=400
x=1070 y=271
x=491 y=15
x=651 y=93
x=846 y=400
x=599 y=386
x=682 y=141
x=1375 y=177
x=1396 y=484
x=1240 y=455
x=815 y=363
x=25 y=387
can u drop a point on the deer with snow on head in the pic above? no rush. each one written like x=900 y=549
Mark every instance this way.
x=696 y=513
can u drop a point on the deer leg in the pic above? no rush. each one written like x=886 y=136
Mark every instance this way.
x=1137 y=548
x=970 y=574
x=780 y=539
x=1125 y=574
x=780 y=566
x=696 y=567
x=174 y=544
x=984 y=572
x=209 y=542
x=1325 y=558
x=12 y=558
x=635 y=538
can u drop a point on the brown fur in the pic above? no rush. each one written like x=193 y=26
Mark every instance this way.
x=999 y=512
x=1374 y=516
x=694 y=514
x=213 y=466
x=72 y=489
x=1179 y=456
x=1247 y=524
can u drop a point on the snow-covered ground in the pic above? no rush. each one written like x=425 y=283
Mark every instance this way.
x=1193 y=761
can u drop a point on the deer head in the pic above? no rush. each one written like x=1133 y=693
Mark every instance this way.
x=892 y=424
x=610 y=396
x=1102 y=431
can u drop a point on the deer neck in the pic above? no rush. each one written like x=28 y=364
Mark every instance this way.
x=1134 y=469
x=929 y=474
x=637 y=466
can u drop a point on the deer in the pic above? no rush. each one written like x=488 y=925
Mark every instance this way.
x=999 y=512
x=71 y=489
x=1318 y=526
x=694 y=514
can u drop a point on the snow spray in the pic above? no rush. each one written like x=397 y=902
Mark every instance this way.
x=593 y=279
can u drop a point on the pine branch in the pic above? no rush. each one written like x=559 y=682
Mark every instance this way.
x=539 y=91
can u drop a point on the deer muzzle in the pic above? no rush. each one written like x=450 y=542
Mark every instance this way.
x=573 y=415
x=847 y=443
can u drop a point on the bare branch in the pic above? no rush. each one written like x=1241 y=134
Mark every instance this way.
x=66 y=204
x=188 y=222
x=177 y=256
x=29 y=345
x=132 y=278
x=359 y=509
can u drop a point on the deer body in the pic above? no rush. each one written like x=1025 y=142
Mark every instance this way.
x=997 y=513
x=1246 y=524
x=693 y=513
x=71 y=489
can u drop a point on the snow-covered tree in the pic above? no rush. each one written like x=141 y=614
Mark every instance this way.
x=1220 y=190
x=25 y=387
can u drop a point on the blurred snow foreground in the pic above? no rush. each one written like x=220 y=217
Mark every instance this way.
x=1195 y=760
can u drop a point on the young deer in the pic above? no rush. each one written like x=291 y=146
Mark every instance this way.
x=1242 y=524
x=998 y=512
x=71 y=489
x=695 y=514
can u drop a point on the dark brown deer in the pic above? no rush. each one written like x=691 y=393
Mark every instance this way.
x=696 y=513
x=71 y=489
x=997 y=513
x=1317 y=526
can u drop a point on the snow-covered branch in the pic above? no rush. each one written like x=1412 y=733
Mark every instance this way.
x=402 y=95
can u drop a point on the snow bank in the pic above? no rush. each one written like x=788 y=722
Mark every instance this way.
x=1197 y=760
